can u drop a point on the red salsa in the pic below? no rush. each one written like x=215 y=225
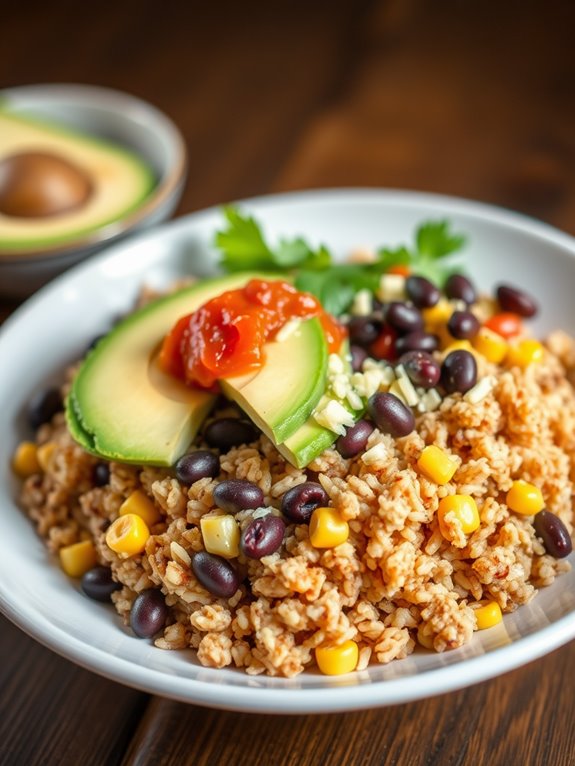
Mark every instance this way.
x=226 y=336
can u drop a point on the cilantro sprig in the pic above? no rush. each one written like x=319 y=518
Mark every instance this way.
x=244 y=248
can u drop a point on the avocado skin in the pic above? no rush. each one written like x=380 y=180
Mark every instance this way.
x=118 y=410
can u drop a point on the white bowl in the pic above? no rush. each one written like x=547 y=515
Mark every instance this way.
x=52 y=329
x=116 y=117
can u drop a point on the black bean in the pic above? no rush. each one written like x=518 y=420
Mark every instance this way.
x=421 y=292
x=149 y=613
x=553 y=532
x=463 y=324
x=300 y=502
x=98 y=584
x=216 y=574
x=516 y=301
x=262 y=536
x=355 y=438
x=197 y=465
x=460 y=288
x=363 y=330
x=226 y=433
x=417 y=341
x=458 y=371
x=234 y=495
x=390 y=414
x=358 y=357
x=421 y=368
x=101 y=474
x=403 y=318
x=43 y=406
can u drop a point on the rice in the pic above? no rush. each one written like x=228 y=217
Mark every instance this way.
x=397 y=582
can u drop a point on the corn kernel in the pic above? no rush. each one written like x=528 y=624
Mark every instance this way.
x=140 y=504
x=525 y=498
x=457 y=345
x=461 y=508
x=336 y=660
x=438 y=314
x=25 y=461
x=487 y=614
x=45 y=452
x=221 y=535
x=490 y=345
x=436 y=464
x=327 y=529
x=524 y=353
x=78 y=558
x=128 y=535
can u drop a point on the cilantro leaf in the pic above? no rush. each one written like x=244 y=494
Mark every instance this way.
x=242 y=244
x=243 y=247
x=336 y=286
x=388 y=257
x=435 y=240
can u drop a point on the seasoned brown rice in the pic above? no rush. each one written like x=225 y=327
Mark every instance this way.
x=396 y=583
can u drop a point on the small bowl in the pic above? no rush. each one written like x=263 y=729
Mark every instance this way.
x=120 y=119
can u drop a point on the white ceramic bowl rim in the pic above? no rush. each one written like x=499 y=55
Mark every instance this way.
x=281 y=695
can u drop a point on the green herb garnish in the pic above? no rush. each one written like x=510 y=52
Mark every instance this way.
x=434 y=241
x=244 y=248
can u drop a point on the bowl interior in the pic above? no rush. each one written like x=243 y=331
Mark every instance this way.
x=54 y=328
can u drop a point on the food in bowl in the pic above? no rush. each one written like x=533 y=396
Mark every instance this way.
x=423 y=489
x=57 y=185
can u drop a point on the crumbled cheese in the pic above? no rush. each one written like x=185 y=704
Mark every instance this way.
x=287 y=330
x=480 y=390
x=354 y=399
x=180 y=553
x=362 y=303
x=391 y=288
x=334 y=416
x=335 y=365
x=400 y=371
x=340 y=385
x=376 y=454
x=429 y=401
x=406 y=391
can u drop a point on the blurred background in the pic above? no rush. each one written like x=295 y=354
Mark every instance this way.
x=466 y=98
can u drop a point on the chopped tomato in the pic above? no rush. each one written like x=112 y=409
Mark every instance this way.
x=506 y=324
x=401 y=269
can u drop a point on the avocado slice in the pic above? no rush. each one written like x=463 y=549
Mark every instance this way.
x=281 y=395
x=123 y=407
x=118 y=182
x=311 y=439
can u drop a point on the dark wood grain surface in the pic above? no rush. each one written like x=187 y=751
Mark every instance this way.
x=474 y=99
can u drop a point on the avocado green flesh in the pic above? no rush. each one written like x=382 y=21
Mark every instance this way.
x=121 y=181
x=122 y=407
x=311 y=439
x=281 y=396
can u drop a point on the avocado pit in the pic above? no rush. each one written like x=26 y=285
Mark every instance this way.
x=40 y=185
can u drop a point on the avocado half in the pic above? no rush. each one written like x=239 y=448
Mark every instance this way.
x=123 y=407
x=119 y=182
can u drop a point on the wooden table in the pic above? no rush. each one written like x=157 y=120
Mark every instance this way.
x=474 y=99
